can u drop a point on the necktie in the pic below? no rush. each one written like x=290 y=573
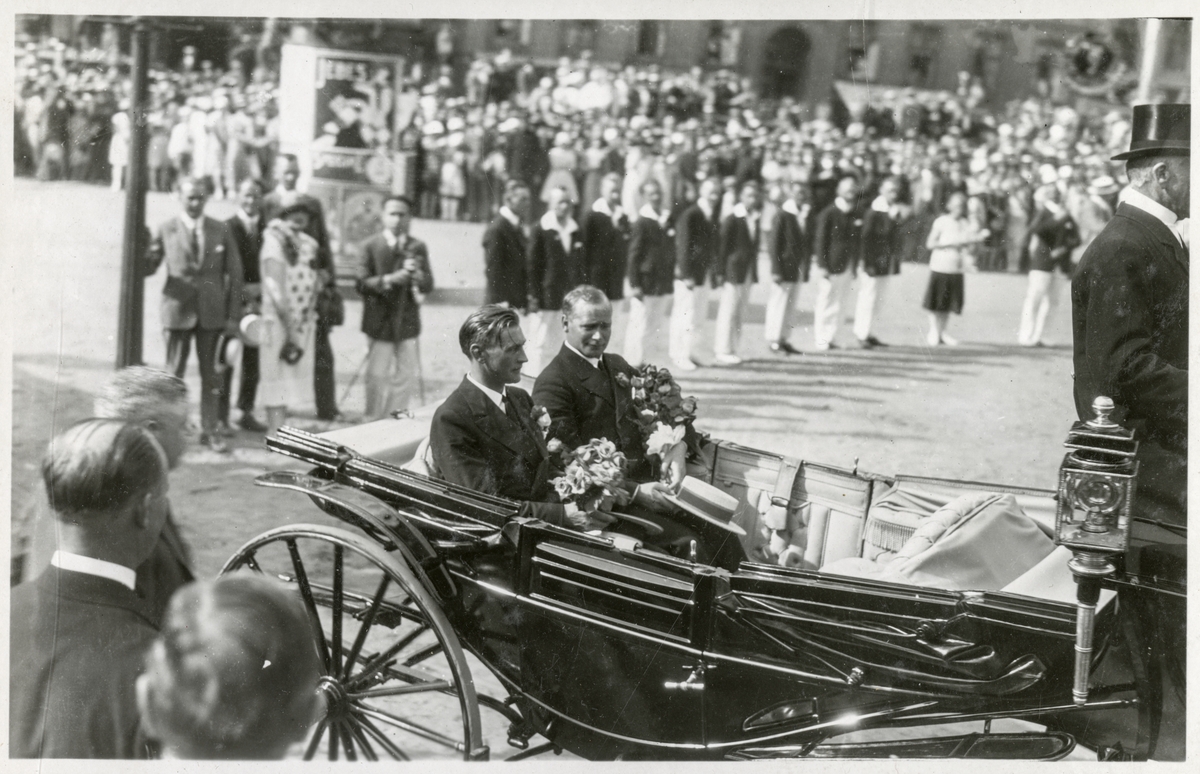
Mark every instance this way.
x=195 y=240
x=510 y=410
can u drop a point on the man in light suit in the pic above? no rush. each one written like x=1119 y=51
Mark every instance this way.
x=393 y=274
x=202 y=296
x=80 y=630
x=505 y=247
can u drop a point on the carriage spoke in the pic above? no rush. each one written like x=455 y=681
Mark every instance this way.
x=367 y=750
x=336 y=668
x=387 y=744
x=400 y=690
x=423 y=654
x=409 y=726
x=333 y=741
x=252 y=561
x=367 y=623
x=379 y=661
x=316 y=739
x=306 y=592
x=347 y=742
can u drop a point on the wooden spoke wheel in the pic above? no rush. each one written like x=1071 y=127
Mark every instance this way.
x=396 y=684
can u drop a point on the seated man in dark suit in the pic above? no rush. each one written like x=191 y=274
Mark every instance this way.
x=484 y=436
x=80 y=630
x=580 y=392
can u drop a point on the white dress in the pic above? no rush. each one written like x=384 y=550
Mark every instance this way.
x=282 y=383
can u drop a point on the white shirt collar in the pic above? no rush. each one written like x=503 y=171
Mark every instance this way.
x=510 y=216
x=493 y=396
x=189 y=222
x=705 y=207
x=392 y=240
x=550 y=223
x=789 y=206
x=1136 y=198
x=602 y=206
x=246 y=217
x=881 y=205
x=595 y=361
x=65 y=560
x=843 y=205
x=739 y=211
x=648 y=212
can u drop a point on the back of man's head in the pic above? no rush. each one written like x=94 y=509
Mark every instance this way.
x=98 y=468
x=152 y=398
x=234 y=673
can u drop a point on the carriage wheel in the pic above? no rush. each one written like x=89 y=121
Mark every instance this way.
x=396 y=684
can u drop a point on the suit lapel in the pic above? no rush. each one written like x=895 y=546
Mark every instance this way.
x=1158 y=229
x=621 y=395
x=593 y=379
x=494 y=423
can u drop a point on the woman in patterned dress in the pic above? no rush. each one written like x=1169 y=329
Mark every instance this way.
x=287 y=263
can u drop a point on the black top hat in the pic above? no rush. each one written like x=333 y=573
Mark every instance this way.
x=1159 y=130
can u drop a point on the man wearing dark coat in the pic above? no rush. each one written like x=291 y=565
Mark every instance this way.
x=80 y=630
x=1129 y=302
x=505 y=248
x=580 y=391
x=741 y=235
x=650 y=272
x=697 y=233
x=880 y=258
x=790 y=250
x=606 y=239
x=484 y=436
x=836 y=247
x=556 y=263
x=393 y=274
x=246 y=225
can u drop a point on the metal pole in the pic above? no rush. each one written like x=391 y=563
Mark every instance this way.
x=1151 y=34
x=129 y=321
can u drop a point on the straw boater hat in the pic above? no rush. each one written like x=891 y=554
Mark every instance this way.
x=1159 y=130
x=708 y=502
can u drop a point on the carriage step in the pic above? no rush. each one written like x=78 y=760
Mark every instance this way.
x=1047 y=746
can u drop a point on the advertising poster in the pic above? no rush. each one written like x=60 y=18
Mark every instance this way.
x=339 y=116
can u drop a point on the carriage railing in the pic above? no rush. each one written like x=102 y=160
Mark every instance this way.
x=447 y=509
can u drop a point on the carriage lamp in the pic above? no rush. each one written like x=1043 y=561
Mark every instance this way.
x=1095 y=496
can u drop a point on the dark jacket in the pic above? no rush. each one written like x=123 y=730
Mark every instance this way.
x=791 y=246
x=1129 y=316
x=696 y=242
x=651 y=264
x=392 y=314
x=739 y=248
x=476 y=445
x=587 y=403
x=77 y=646
x=1051 y=240
x=881 y=248
x=201 y=291
x=504 y=251
x=249 y=244
x=552 y=271
x=606 y=246
x=838 y=239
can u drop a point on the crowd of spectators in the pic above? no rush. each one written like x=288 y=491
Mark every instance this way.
x=569 y=125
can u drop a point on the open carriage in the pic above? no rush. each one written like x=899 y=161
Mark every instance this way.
x=611 y=649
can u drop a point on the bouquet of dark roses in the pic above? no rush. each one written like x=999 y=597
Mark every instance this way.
x=663 y=413
x=593 y=475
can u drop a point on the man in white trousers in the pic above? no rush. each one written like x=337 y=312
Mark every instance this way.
x=791 y=255
x=650 y=274
x=696 y=238
x=740 y=236
x=835 y=251
x=880 y=258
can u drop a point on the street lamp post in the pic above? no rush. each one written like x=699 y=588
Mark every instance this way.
x=129 y=321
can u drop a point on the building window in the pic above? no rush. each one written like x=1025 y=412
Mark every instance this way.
x=651 y=38
x=723 y=46
x=580 y=35
x=512 y=32
x=863 y=51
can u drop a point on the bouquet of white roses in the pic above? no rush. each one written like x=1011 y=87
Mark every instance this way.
x=594 y=474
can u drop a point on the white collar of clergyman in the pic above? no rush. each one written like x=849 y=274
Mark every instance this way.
x=595 y=361
x=493 y=396
x=648 y=212
x=1136 y=198
x=550 y=223
x=88 y=565
x=393 y=240
x=510 y=216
